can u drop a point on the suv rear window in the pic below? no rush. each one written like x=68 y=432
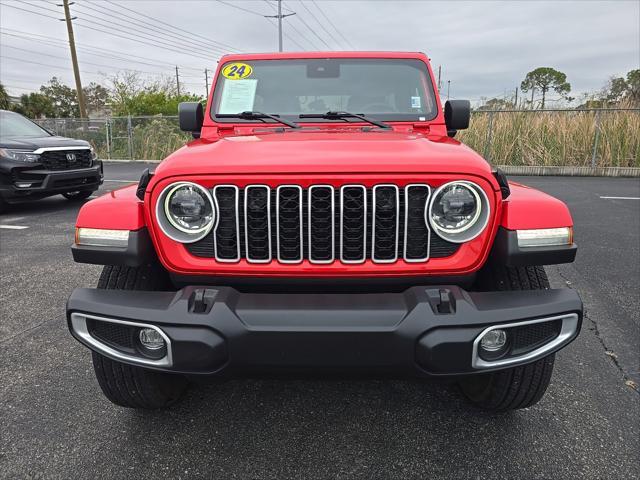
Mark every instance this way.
x=385 y=89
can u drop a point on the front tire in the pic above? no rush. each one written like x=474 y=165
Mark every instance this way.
x=517 y=387
x=126 y=385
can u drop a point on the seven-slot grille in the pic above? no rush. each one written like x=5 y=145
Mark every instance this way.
x=66 y=159
x=322 y=224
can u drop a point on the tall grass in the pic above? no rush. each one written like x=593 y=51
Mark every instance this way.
x=564 y=138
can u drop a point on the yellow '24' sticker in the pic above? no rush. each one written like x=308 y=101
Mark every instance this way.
x=236 y=71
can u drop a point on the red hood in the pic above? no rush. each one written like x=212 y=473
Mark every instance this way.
x=318 y=152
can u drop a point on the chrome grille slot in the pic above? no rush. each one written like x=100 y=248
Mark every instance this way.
x=417 y=234
x=385 y=221
x=289 y=236
x=257 y=218
x=321 y=224
x=353 y=224
x=227 y=232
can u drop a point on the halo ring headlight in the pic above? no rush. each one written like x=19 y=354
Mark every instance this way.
x=462 y=211
x=186 y=212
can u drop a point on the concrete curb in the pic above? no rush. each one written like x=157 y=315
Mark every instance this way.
x=536 y=170
x=570 y=171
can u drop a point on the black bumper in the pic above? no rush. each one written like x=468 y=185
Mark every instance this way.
x=44 y=183
x=423 y=331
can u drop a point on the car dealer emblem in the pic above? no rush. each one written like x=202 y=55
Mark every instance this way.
x=71 y=157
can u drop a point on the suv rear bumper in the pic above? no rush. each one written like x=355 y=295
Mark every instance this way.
x=424 y=331
x=37 y=184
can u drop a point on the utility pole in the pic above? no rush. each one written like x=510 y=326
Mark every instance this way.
x=515 y=102
x=206 y=80
x=177 y=80
x=74 y=57
x=280 y=16
x=448 y=88
x=439 y=73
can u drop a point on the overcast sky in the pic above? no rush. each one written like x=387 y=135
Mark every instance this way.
x=485 y=48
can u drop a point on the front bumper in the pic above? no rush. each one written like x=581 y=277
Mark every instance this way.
x=24 y=184
x=423 y=331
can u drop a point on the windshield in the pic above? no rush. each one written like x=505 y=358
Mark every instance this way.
x=15 y=125
x=384 y=89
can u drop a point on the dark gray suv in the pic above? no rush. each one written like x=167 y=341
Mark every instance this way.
x=34 y=163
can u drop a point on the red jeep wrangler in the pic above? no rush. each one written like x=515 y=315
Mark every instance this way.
x=324 y=219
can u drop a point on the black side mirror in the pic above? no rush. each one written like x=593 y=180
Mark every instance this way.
x=456 y=115
x=191 y=116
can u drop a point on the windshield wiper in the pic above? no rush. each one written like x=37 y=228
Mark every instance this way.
x=251 y=115
x=343 y=115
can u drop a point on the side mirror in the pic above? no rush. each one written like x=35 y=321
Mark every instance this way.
x=191 y=116
x=456 y=115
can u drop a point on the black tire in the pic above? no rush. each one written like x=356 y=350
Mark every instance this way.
x=77 y=195
x=127 y=385
x=517 y=387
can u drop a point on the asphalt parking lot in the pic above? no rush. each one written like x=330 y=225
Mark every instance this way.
x=57 y=424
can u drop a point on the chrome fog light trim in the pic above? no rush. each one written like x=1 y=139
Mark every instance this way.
x=98 y=237
x=567 y=332
x=79 y=327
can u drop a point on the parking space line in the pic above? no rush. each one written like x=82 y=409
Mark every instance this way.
x=122 y=181
x=13 y=227
x=621 y=198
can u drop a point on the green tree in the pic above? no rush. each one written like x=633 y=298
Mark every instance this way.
x=633 y=86
x=4 y=98
x=96 y=97
x=496 y=104
x=615 y=90
x=63 y=98
x=130 y=95
x=35 y=105
x=545 y=79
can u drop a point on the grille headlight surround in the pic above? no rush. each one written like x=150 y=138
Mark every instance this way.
x=186 y=212
x=458 y=211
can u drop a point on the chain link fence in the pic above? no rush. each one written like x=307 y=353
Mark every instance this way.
x=576 y=138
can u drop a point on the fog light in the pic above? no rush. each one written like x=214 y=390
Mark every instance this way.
x=493 y=340
x=23 y=185
x=151 y=339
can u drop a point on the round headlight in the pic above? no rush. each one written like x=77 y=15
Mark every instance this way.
x=186 y=212
x=459 y=211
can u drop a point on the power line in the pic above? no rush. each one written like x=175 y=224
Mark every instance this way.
x=149 y=26
x=299 y=17
x=143 y=40
x=174 y=27
x=151 y=36
x=229 y=4
x=280 y=16
x=333 y=25
x=295 y=29
x=30 y=11
x=320 y=23
x=89 y=48
x=139 y=40
x=86 y=63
